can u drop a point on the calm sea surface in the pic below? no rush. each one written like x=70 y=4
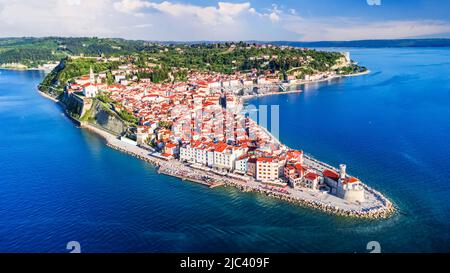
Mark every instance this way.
x=392 y=128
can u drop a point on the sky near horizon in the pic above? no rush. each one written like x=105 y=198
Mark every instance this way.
x=194 y=20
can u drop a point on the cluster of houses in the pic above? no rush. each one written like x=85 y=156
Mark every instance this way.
x=199 y=122
x=286 y=168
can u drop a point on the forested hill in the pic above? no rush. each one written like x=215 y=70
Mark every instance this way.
x=33 y=52
x=163 y=63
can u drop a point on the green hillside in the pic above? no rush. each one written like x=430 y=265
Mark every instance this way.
x=33 y=52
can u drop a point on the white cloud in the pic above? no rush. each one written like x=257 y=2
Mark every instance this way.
x=178 y=20
x=339 y=29
x=54 y=17
x=130 y=6
x=274 y=14
x=74 y=2
x=274 y=17
x=224 y=12
x=223 y=21
x=143 y=25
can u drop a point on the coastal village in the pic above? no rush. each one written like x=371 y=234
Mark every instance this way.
x=198 y=130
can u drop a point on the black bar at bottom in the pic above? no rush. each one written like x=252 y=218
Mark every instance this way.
x=184 y=262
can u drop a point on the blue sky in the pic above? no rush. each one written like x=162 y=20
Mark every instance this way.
x=294 y=20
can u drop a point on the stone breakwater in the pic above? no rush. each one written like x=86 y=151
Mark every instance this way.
x=376 y=213
x=186 y=173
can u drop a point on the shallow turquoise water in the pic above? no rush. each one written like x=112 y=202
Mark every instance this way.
x=59 y=183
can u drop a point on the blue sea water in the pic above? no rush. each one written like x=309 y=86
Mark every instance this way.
x=392 y=128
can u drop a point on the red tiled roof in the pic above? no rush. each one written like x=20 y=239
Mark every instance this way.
x=220 y=147
x=170 y=145
x=243 y=156
x=331 y=174
x=311 y=176
x=294 y=153
x=264 y=159
x=352 y=179
x=299 y=167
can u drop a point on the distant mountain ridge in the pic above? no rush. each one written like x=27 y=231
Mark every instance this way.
x=32 y=52
x=428 y=42
x=435 y=42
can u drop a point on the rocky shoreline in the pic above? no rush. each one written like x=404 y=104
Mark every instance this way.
x=376 y=213
x=380 y=213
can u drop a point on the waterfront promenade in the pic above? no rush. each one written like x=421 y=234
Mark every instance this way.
x=375 y=206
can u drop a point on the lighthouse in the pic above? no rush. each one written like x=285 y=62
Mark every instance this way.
x=342 y=171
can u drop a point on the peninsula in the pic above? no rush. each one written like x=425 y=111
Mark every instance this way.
x=182 y=108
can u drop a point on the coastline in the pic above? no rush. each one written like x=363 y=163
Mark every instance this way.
x=24 y=69
x=357 y=74
x=162 y=165
x=48 y=96
x=249 y=97
x=210 y=178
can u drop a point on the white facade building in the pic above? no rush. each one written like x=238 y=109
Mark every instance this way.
x=90 y=91
x=344 y=186
x=195 y=153
x=267 y=169
x=311 y=180
x=241 y=165
x=188 y=153
x=224 y=159
x=220 y=156
x=119 y=78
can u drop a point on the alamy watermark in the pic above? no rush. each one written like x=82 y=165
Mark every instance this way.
x=227 y=123
x=74 y=247
x=373 y=2
x=374 y=247
x=261 y=116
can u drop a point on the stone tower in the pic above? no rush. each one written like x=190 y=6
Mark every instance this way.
x=342 y=171
x=91 y=76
